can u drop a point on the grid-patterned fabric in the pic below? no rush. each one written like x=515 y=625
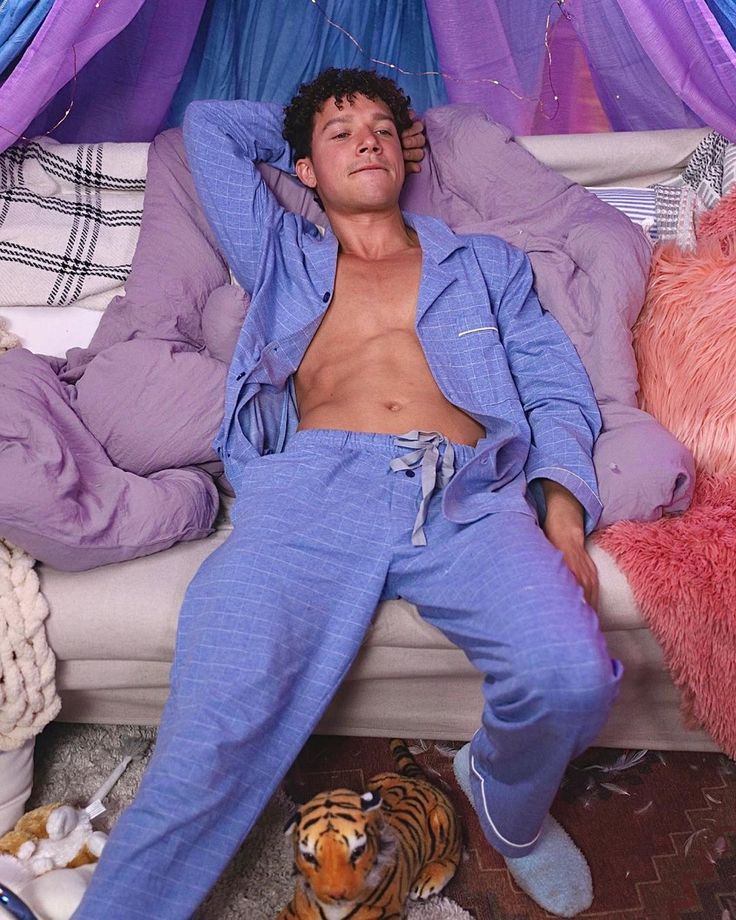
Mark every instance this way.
x=69 y=221
x=272 y=622
x=491 y=348
x=637 y=204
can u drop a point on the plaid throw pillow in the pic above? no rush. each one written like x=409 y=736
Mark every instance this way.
x=69 y=221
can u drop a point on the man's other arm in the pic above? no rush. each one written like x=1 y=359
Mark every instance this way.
x=224 y=140
x=563 y=416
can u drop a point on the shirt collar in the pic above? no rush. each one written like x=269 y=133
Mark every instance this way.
x=438 y=241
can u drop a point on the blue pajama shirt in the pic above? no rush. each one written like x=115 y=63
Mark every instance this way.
x=329 y=523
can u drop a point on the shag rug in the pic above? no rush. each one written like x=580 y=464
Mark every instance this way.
x=73 y=760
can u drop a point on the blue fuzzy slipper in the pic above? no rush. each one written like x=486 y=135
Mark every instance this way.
x=555 y=874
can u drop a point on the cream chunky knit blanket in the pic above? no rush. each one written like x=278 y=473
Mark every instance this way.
x=28 y=697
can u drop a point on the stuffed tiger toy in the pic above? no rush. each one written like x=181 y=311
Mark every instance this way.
x=360 y=856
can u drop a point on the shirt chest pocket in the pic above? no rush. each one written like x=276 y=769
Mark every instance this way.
x=483 y=363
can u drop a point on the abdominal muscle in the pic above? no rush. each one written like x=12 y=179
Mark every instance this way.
x=378 y=383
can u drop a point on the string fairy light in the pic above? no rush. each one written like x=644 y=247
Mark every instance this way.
x=560 y=4
x=72 y=95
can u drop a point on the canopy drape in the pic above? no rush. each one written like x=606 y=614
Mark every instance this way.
x=653 y=64
x=725 y=13
x=127 y=87
x=239 y=53
x=616 y=64
x=690 y=50
x=18 y=24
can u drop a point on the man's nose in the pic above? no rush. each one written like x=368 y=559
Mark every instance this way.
x=370 y=143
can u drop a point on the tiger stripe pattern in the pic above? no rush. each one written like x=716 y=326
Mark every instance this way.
x=359 y=857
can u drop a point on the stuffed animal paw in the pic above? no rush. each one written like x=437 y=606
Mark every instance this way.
x=47 y=858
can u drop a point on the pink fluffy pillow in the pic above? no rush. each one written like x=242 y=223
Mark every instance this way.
x=685 y=343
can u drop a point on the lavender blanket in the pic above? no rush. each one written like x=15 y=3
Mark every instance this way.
x=107 y=455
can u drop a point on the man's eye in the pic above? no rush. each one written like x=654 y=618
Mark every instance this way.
x=340 y=135
x=384 y=131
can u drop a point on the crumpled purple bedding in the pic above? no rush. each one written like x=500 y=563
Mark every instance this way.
x=107 y=455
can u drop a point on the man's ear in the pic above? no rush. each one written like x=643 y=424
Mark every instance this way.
x=305 y=172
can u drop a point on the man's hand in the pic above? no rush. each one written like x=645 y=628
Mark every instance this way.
x=413 y=142
x=563 y=526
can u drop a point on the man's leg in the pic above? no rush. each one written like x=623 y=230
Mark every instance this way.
x=502 y=593
x=269 y=627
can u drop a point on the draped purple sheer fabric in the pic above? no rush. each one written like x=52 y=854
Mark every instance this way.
x=690 y=50
x=479 y=41
x=126 y=89
x=653 y=64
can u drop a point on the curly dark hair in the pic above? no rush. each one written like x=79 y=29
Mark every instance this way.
x=342 y=84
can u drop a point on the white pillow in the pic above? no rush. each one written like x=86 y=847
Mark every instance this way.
x=50 y=331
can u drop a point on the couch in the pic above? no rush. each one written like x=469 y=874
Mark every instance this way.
x=112 y=628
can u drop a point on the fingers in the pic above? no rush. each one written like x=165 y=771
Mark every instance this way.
x=413 y=142
x=586 y=575
x=413 y=136
x=588 y=579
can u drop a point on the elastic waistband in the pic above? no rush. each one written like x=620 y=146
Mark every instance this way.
x=368 y=441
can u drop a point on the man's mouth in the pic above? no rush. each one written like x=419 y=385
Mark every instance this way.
x=367 y=168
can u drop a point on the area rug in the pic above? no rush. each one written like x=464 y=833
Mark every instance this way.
x=658 y=828
x=73 y=760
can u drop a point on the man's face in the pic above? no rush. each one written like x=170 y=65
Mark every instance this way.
x=357 y=163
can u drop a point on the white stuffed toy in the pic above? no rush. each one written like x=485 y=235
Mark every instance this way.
x=48 y=859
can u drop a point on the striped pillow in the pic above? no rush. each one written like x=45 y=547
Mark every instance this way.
x=638 y=204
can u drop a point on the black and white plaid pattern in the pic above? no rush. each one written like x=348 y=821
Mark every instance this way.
x=704 y=170
x=69 y=221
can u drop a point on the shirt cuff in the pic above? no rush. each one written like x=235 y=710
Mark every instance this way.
x=574 y=484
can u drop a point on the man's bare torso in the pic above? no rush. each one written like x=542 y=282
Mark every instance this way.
x=365 y=369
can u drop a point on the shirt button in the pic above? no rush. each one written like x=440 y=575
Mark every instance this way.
x=326 y=296
x=411 y=474
x=240 y=376
x=484 y=460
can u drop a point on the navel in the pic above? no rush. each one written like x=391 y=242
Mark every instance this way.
x=394 y=406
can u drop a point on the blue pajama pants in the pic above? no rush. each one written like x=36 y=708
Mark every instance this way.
x=274 y=618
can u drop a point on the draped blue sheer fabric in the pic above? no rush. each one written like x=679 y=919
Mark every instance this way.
x=634 y=93
x=19 y=22
x=725 y=14
x=263 y=49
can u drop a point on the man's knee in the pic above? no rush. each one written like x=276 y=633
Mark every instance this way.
x=575 y=682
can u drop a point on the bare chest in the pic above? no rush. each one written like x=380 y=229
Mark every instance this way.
x=370 y=300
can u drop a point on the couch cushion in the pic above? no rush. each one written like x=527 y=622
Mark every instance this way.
x=129 y=610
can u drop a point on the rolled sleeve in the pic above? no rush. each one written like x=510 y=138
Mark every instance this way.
x=586 y=494
x=555 y=392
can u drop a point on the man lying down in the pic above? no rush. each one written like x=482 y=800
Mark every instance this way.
x=398 y=408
